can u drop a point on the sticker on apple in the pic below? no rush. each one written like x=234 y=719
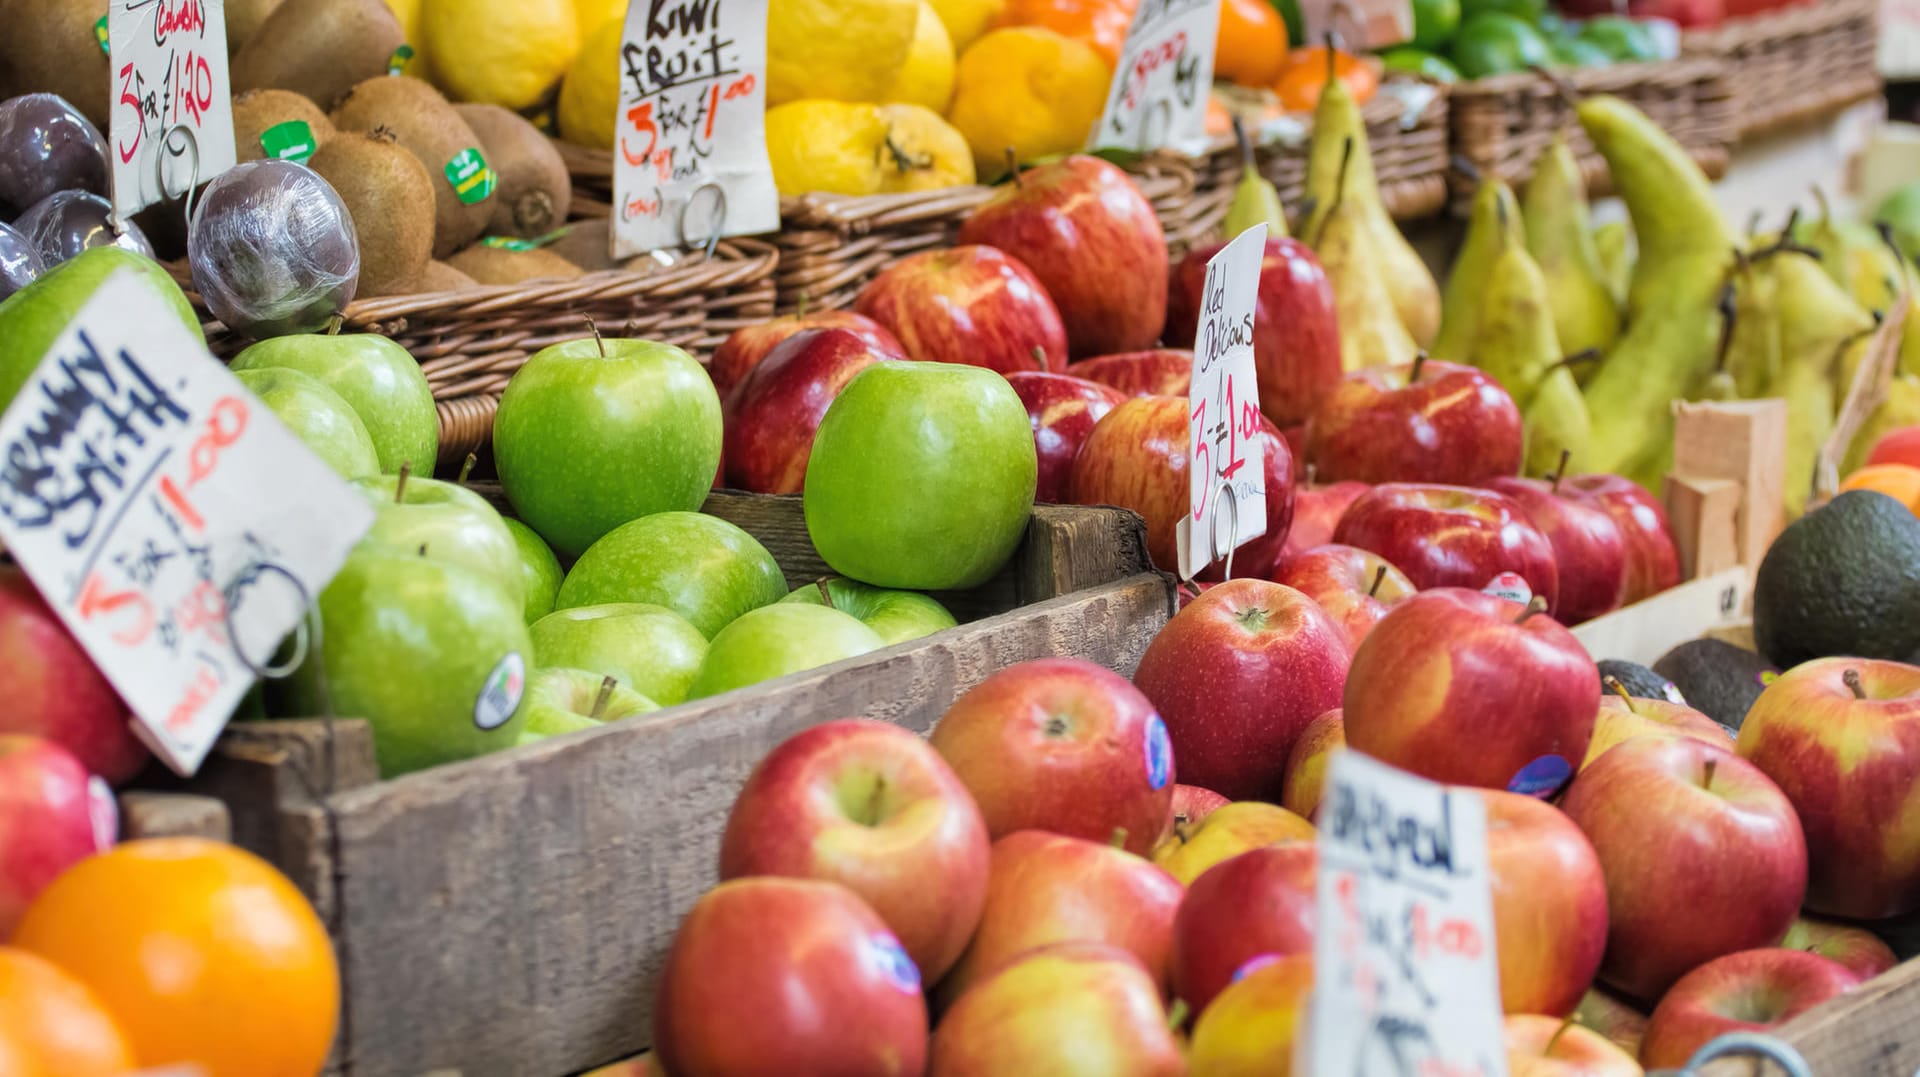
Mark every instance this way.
x=501 y=697
x=1542 y=777
x=1672 y=692
x=1511 y=586
x=894 y=964
x=1159 y=751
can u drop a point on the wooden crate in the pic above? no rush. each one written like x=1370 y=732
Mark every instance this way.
x=1873 y=1031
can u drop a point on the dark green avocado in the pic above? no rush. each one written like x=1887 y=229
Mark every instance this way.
x=1841 y=580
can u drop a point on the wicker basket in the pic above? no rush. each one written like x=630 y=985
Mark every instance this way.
x=1796 y=64
x=1501 y=124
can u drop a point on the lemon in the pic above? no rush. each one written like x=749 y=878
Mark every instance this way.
x=845 y=50
x=500 y=52
x=408 y=14
x=832 y=146
x=1030 y=90
x=927 y=77
x=966 y=20
x=591 y=15
x=923 y=151
x=590 y=95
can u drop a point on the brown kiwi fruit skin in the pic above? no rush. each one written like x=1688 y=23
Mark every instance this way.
x=318 y=48
x=535 y=190
x=258 y=111
x=441 y=277
x=495 y=265
x=385 y=188
x=243 y=21
x=427 y=125
x=48 y=46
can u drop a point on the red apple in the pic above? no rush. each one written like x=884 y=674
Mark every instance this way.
x=1296 y=334
x=1250 y=1029
x=1653 y=563
x=773 y=413
x=1425 y=421
x=1589 y=549
x=1549 y=904
x=1450 y=536
x=1355 y=587
x=1317 y=511
x=1191 y=806
x=1841 y=737
x=1063 y=745
x=1260 y=902
x=1902 y=446
x=52 y=815
x=1048 y=888
x=1225 y=834
x=1094 y=240
x=1455 y=687
x=1073 y=1010
x=1751 y=991
x=873 y=807
x=1542 y=1046
x=1062 y=409
x=1296 y=435
x=743 y=350
x=1702 y=854
x=1306 y=781
x=1238 y=674
x=1155 y=372
x=1613 y=1018
x=53 y=690
x=828 y=987
x=972 y=305
x=1858 y=949
x=1620 y=719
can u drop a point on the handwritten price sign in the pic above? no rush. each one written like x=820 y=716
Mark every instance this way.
x=169 y=60
x=1226 y=468
x=1406 y=980
x=1159 y=92
x=167 y=516
x=691 y=160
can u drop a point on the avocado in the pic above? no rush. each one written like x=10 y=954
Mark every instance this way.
x=1719 y=680
x=1639 y=681
x=1842 y=580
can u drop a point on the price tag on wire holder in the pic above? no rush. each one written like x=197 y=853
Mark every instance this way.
x=1226 y=465
x=1158 y=97
x=171 y=125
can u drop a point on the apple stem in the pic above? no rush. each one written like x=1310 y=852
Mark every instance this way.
x=1852 y=677
x=600 y=701
x=1554 y=1040
x=594 y=328
x=333 y=325
x=826 y=595
x=1379 y=577
x=1040 y=356
x=1177 y=1013
x=1534 y=606
x=1308 y=475
x=1419 y=364
x=466 y=468
x=1119 y=839
x=1013 y=168
x=1613 y=685
x=1706 y=777
x=423 y=549
x=400 y=484
x=1560 y=472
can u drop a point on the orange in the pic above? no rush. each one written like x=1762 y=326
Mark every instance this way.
x=1306 y=74
x=1250 y=48
x=203 y=952
x=1099 y=23
x=1898 y=481
x=52 y=1026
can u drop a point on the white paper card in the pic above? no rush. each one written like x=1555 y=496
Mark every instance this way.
x=1358 y=25
x=1225 y=461
x=1159 y=93
x=1406 y=978
x=166 y=514
x=169 y=62
x=692 y=145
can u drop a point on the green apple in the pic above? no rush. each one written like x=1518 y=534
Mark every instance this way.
x=569 y=700
x=447 y=522
x=593 y=434
x=776 y=640
x=539 y=570
x=647 y=648
x=433 y=655
x=922 y=476
x=317 y=416
x=377 y=377
x=894 y=616
x=700 y=567
x=33 y=317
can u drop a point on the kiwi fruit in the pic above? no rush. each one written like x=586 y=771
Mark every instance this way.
x=384 y=187
x=49 y=47
x=585 y=244
x=496 y=265
x=318 y=48
x=426 y=124
x=535 y=191
x=258 y=111
x=441 y=277
x=243 y=21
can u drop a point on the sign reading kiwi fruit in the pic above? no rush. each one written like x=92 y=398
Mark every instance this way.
x=690 y=161
x=1159 y=93
x=171 y=121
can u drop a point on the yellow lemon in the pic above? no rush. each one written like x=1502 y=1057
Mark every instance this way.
x=831 y=146
x=927 y=77
x=408 y=14
x=1030 y=90
x=500 y=52
x=591 y=15
x=923 y=151
x=590 y=96
x=845 y=50
x=966 y=20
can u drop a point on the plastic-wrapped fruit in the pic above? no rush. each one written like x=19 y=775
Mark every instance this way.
x=46 y=145
x=19 y=263
x=273 y=250
x=68 y=222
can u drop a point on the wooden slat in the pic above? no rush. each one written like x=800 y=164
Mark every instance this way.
x=1646 y=630
x=1705 y=517
x=173 y=815
x=1871 y=1032
x=1745 y=441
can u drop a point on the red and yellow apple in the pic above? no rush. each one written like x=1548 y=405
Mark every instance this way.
x=1154 y=372
x=775 y=410
x=1250 y=1028
x=737 y=355
x=1306 y=781
x=1225 y=834
x=1751 y=991
x=1427 y=421
x=1620 y=719
x=973 y=305
x=1542 y=1046
x=1549 y=904
x=1259 y=902
x=1354 y=586
x=1063 y=410
x=1858 y=949
x=1451 y=536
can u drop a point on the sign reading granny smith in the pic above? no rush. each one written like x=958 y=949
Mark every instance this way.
x=1159 y=93
x=1405 y=973
x=166 y=515
x=172 y=121
x=1226 y=466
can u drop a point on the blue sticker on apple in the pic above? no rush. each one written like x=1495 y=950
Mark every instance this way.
x=1253 y=965
x=1541 y=777
x=1159 y=753
x=895 y=966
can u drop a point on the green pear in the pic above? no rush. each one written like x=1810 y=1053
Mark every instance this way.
x=1494 y=225
x=1560 y=238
